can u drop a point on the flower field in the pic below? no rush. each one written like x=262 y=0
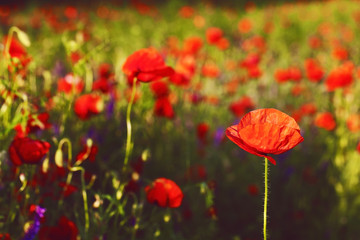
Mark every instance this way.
x=137 y=120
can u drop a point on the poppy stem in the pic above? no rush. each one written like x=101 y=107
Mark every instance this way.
x=128 y=125
x=266 y=197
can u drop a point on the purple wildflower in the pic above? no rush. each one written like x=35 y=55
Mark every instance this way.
x=30 y=234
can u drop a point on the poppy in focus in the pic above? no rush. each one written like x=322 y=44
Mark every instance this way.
x=265 y=131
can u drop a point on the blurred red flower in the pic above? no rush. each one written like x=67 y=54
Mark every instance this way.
x=223 y=44
x=41 y=122
x=64 y=230
x=213 y=35
x=308 y=109
x=179 y=79
x=87 y=153
x=159 y=88
x=254 y=72
x=4 y=236
x=244 y=25
x=353 y=123
x=68 y=189
x=146 y=65
x=289 y=74
x=210 y=70
x=163 y=108
x=314 y=71
x=265 y=131
x=340 y=53
x=340 y=77
x=240 y=107
x=16 y=51
x=25 y=150
x=165 y=193
x=70 y=84
x=186 y=11
x=192 y=45
x=325 y=120
x=87 y=105
x=71 y=12
x=201 y=131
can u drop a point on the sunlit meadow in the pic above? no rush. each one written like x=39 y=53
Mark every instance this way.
x=154 y=120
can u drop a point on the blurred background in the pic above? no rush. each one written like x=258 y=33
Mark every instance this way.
x=229 y=57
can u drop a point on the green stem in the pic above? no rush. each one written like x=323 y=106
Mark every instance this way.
x=266 y=197
x=128 y=125
x=84 y=195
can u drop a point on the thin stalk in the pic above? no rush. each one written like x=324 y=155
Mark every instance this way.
x=266 y=197
x=128 y=125
x=84 y=195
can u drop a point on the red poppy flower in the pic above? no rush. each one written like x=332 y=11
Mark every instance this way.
x=163 y=108
x=315 y=42
x=340 y=53
x=353 y=123
x=358 y=148
x=265 y=131
x=160 y=89
x=340 y=77
x=223 y=44
x=41 y=123
x=179 y=79
x=87 y=105
x=87 y=153
x=27 y=151
x=202 y=130
x=210 y=70
x=240 y=107
x=254 y=72
x=325 y=120
x=165 y=193
x=16 y=50
x=213 y=35
x=314 y=71
x=192 y=45
x=104 y=70
x=251 y=60
x=4 y=236
x=282 y=75
x=186 y=12
x=146 y=65
x=103 y=85
x=186 y=65
x=70 y=12
x=64 y=230
x=244 y=26
x=75 y=57
x=308 y=109
x=70 y=84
